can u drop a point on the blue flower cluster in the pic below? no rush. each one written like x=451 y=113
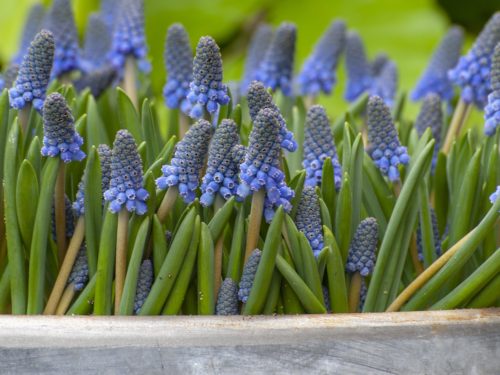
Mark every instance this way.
x=144 y=283
x=80 y=272
x=70 y=218
x=318 y=72
x=385 y=83
x=319 y=145
x=59 y=135
x=492 y=109
x=308 y=219
x=359 y=78
x=187 y=163
x=472 y=73
x=97 y=80
x=258 y=98
x=431 y=116
x=109 y=12
x=435 y=232
x=276 y=69
x=227 y=300
x=378 y=63
x=361 y=257
x=384 y=146
x=261 y=168
x=32 y=26
x=225 y=155
x=248 y=275
x=97 y=44
x=126 y=185
x=179 y=63
x=9 y=76
x=435 y=77
x=34 y=74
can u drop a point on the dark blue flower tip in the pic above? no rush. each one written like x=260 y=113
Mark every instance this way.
x=179 y=64
x=69 y=215
x=34 y=73
x=261 y=40
x=319 y=145
x=326 y=298
x=276 y=69
x=10 y=75
x=472 y=72
x=97 y=44
x=318 y=72
x=32 y=26
x=206 y=90
x=361 y=257
x=104 y=153
x=494 y=196
x=98 y=80
x=308 y=219
x=385 y=148
x=126 y=185
x=492 y=109
x=378 y=63
x=435 y=77
x=385 y=84
x=80 y=272
x=258 y=98
x=144 y=283
x=359 y=77
x=61 y=23
x=435 y=232
x=431 y=116
x=261 y=167
x=225 y=155
x=186 y=165
x=60 y=138
x=248 y=275
x=227 y=301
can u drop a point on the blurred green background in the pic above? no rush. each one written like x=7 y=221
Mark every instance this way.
x=407 y=30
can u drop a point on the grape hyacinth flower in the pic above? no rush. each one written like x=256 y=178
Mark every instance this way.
x=227 y=301
x=126 y=185
x=378 y=63
x=359 y=77
x=258 y=97
x=109 y=12
x=361 y=257
x=69 y=216
x=261 y=40
x=276 y=69
x=32 y=26
x=206 y=90
x=362 y=295
x=319 y=145
x=225 y=155
x=97 y=44
x=144 y=283
x=472 y=72
x=431 y=116
x=80 y=272
x=384 y=146
x=187 y=163
x=435 y=77
x=261 y=167
x=248 y=275
x=492 y=109
x=179 y=63
x=435 y=232
x=34 y=73
x=97 y=80
x=318 y=72
x=385 y=84
x=10 y=75
x=60 y=137
x=308 y=219
x=495 y=195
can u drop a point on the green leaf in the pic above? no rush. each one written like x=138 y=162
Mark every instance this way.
x=83 y=304
x=237 y=252
x=291 y=235
x=151 y=134
x=343 y=217
x=26 y=198
x=337 y=289
x=328 y=192
x=273 y=294
x=311 y=275
x=97 y=132
x=159 y=244
x=127 y=115
x=428 y=245
x=221 y=217
x=206 y=279
x=297 y=184
x=34 y=155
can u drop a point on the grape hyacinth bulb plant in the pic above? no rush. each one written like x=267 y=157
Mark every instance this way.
x=308 y=219
x=492 y=109
x=359 y=77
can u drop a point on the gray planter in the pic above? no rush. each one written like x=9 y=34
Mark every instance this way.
x=452 y=342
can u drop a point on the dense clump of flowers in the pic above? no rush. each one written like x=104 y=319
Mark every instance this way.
x=256 y=52
x=319 y=145
x=359 y=78
x=80 y=272
x=179 y=62
x=258 y=98
x=32 y=26
x=59 y=135
x=472 y=72
x=308 y=219
x=126 y=185
x=248 y=275
x=97 y=44
x=187 y=163
x=318 y=72
x=435 y=77
x=384 y=146
x=492 y=109
x=206 y=90
x=225 y=155
x=144 y=283
x=361 y=257
x=227 y=300
x=435 y=233
x=385 y=84
x=276 y=69
x=69 y=218
x=97 y=80
x=34 y=73
x=431 y=116
x=261 y=167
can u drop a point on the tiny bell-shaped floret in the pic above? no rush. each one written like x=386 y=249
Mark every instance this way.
x=227 y=301
x=97 y=44
x=361 y=257
x=492 y=109
x=431 y=116
x=248 y=275
x=80 y=272
x=126 y=186
x=359 y=77
x=308 y=219
x=144 y=283
x=32 y=26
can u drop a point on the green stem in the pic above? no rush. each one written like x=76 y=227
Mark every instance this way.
x=254 y=222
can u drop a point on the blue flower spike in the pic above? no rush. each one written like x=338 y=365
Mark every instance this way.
x=359 y=78
x=472 y=72
x=378 y=63
x=361 y=257
x=144 y=283
x=227 y=300
x=60 y=138
x=431 y=116
x=32 y=26
x=179 y=64
x=319 y=145
x=276 y=69
x=384 y=146
x=97 y=44
x=80 y=272
x=206 y=91
x=318 y=73
x=385 y=84
x=435 y=232
x=97 y=81
x=126 y=185
x=435 y=77
x=308 y=219
x=492 y=109
x=10 y=75
x=34 y=74
x=248 y=275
